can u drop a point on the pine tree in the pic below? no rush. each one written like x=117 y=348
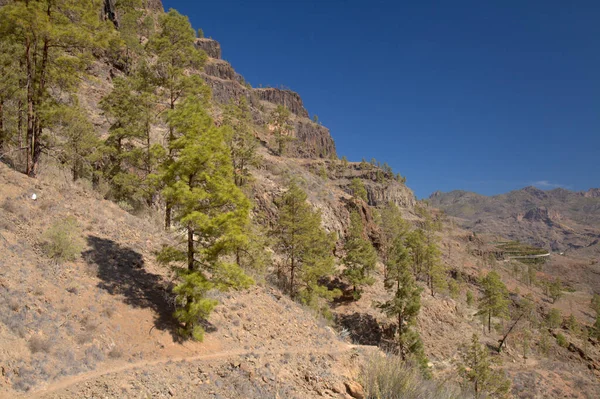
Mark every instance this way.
x=75 y=139
x=11 y=92
x=495 y=298
x=476 y=369
x=174 y=52
x=392 y=226
x=555 y=290
x=417 y=245
x=209 y=207
x=252 y=254
x=55 y=39
x=128 y=155
x=434 y=268
x=307 y=248
x=596 y=328
x=358 y=190
x=241 y=140
x=282 y=128
x=360 y=257
x=131 y=25
x=406 y=302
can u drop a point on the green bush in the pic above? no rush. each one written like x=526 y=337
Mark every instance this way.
x=561 y=340
x=62 y=241
x=554 y=318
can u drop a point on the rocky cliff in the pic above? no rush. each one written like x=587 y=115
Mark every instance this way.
x=211 y=47
x=287 y=98
x=312 y=139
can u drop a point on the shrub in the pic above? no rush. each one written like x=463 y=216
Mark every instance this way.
x=470 y=299
x=554 y=318
x=39 y=344
x=561 y=340
x=62 y=241
x=391 y=377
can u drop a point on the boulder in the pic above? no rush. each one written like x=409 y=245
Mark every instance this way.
x=355 y=390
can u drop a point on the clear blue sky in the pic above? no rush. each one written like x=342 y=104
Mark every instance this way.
x=485 y=96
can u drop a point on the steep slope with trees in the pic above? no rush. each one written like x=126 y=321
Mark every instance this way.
x=159 y=200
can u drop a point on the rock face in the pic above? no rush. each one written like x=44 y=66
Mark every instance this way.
x=211 y=47
x=592 y=193
x=224 y=90
x=154 y=5
x=289 y=99
x=380 y=194
x=317 y=142
x=222 y=70
x=537 y=214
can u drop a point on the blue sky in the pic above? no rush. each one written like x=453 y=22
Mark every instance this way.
x=473 y=95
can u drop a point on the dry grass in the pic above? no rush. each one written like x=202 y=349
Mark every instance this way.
x=390 y=377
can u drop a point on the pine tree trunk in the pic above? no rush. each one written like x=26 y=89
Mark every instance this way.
x=2 y=137
x=293 y=271
x=190 y=250
x=490 y=321
x=30 y=124
x=509 y=330
x=168 y=205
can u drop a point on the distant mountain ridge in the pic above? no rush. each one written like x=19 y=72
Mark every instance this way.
x=558 y=219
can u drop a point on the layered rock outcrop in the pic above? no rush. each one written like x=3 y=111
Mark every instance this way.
x=317 y=142
x=222 y=70
x=211 y=47
x=289 y=99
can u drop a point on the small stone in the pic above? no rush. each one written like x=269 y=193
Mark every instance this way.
x=338 y=387
x=355 y=390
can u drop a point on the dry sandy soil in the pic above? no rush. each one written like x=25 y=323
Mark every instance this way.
x=101 y=326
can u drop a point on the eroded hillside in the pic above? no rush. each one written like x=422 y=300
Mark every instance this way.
x=101 y=323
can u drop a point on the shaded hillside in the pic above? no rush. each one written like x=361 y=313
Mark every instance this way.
x=559 y=220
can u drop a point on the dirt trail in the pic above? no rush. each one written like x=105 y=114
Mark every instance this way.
x=74 y=380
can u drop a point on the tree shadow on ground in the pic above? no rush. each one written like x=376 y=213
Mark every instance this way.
x=364 y=329
x=121 y=271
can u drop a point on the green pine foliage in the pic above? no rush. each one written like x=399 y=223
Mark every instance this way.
x=416 y=242
x=282 y=128
x=555 y=290
x=173 y=53
x=241 y=140
x=52 y=42
x=75 y=140
x=360 y=257
x=434 y=268
x=405 y=304
x=128 y=154
x=495 y=298
x=477 y=371
x=307 y=248
x=358 y=190
x=211 y=209
x=392 y=226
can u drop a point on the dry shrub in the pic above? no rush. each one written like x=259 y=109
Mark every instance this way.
x=39 y=344
x=115 y=353
x=390 y=377
x=108 y=311
x=10 y=206
x=62 y=241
